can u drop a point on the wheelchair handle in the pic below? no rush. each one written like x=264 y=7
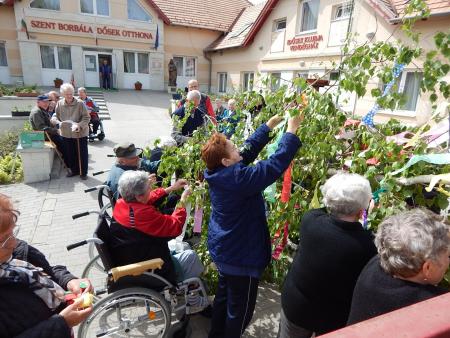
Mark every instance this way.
x=110 y=155
x=80 y=215
x=76 y=245
x=90 y=189
x=100 y=172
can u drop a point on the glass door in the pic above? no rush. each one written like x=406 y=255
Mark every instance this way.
x=91 y=71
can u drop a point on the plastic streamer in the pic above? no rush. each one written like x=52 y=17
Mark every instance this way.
x=198 y=218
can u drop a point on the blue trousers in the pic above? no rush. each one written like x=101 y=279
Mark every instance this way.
x=233 y=305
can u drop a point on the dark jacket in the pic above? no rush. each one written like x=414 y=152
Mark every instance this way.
x=238 y=237
x=377 y=293
x=22 y=313
x=40 y=120
x=317 y=292
x=194 y=121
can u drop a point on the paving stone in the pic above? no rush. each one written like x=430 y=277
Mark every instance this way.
x=45 y=218
x=49 y=204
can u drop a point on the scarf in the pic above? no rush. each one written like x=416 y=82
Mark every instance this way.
x=18 y=271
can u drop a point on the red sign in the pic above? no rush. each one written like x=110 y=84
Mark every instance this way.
x=305 y=42
x=89 y=29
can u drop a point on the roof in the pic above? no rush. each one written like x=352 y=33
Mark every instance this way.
x=246 y=27
x=240 y=29
x=7 y=2
x=393 y=10
x=208 y=14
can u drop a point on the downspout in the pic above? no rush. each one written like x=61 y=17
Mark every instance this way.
x=205 y=55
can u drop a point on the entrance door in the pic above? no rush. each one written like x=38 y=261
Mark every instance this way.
x=91 y=71
x=109 y=59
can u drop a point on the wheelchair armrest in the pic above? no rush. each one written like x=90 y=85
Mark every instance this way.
x=136 y=269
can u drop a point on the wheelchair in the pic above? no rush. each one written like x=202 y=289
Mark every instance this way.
x=129 y=309
x=100 y=133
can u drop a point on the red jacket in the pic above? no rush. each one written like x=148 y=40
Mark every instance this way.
x=148 y=219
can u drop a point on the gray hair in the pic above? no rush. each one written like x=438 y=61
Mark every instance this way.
x=194 y=94
x=81 y=89
x=66 y=87
x=346 y=194
x=133 y=183
x=406 y=240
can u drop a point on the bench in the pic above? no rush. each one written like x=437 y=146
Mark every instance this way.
x=37 y=163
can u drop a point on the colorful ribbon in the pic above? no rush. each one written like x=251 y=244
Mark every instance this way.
x=198 y=218
x=430 y=158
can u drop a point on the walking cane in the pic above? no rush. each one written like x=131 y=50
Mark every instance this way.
x=56 y=149
x=79 y=156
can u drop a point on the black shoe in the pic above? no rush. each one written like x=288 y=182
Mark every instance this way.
x=83 y=177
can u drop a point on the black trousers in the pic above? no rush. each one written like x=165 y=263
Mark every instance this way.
x=106 y=81
x=58 y=140
x=233 y=305
x=72 y=154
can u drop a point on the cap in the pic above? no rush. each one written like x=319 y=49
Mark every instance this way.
x=43 y=98
x=127 y=150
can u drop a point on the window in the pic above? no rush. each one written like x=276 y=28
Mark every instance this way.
x=309 y=13
x=278 y=34
x=143 y=63
x=45 y=4
x=53 y=57
x=339 y=24
x=96 y=7
x=303 y=75
x=334 y=76
x=3 y=60
x=222 y=82
x=136 y=12
x=408 y=84
x=275 y=81
x=186 y=66
x=249 y=78
x=130 y=60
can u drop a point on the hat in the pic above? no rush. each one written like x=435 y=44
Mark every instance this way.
x=43 y=98
x=127 y=149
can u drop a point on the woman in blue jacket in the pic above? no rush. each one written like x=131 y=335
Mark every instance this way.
x=238 y=237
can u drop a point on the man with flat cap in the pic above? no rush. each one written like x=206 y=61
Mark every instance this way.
x=40 y=121
x=128 y=159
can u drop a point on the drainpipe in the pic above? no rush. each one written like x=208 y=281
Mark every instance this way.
x=205 y=55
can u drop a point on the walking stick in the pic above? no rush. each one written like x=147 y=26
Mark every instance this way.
x=56 y=149
x=79 y=156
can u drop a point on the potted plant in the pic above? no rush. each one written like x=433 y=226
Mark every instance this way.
x=27 y=91
x=137 y=85
x=16 y=111
x=58 y=82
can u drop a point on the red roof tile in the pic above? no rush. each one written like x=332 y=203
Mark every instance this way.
x=209 y=14
x=393 y=10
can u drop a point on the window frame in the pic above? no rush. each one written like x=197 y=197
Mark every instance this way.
x=272 y=88
x=185 y=57
x=94 y=2
x=45 y=9
x=220 y=80
x=250 y=82
x=300 y=18
x=144 y=10
x=3 y=43
x=275 y=28
x=56 y=56
x=342 y=5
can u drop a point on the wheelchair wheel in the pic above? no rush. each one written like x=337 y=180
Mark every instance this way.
x=101 y=136
x=96 y=273
x=132 y=312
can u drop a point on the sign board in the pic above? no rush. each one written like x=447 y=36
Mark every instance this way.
x=304 y=42
x=32 y=139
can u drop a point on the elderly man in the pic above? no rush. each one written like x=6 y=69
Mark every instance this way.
x=105 y=72
x=205 y=105
x=195 y=120
x=54 y=98
x=40 y=120
x=128 y=159
x=73 y=118
x=229 y=119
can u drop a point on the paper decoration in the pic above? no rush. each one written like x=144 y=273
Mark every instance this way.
x=430 y=158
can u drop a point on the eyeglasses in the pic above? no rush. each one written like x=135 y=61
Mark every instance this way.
x=14 y=235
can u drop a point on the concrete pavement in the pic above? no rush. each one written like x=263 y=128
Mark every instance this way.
x=46 y=207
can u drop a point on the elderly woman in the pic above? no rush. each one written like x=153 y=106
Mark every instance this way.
x=413 y=256
x=54 y=98
x=73 y=119
x=92 y=108
x=31 y=290
x=333 y=249
x=141 y=232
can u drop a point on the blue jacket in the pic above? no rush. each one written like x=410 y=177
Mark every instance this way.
x=193 y=122
x=238 y=236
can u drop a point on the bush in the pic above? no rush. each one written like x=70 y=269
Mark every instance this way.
x=11 y=170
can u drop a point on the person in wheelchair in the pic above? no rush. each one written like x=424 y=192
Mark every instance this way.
x=128 y=159
x=141 y=232
x=31 y=290
x=93 y=110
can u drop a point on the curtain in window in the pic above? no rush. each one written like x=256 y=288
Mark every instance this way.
x=142 y=63
x=248 y=81
x=222 y=82
x=190 y=67
x=87 y=6
x=103 y=7
x=129 y=63
x=411 y=90
x=48 y=57
x=275 y=79
x=136 y=12
x=45 y=4
x=3 y=60
x=64 y=58
x=179 y=63
x=310 y=14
